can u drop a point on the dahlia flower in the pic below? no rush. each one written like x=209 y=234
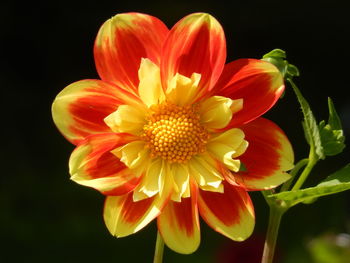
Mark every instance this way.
x=170 y=132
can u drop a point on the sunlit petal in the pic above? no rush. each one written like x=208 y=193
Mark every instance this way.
x=202 y=168
x=268 y=156
x=150 y=87
x=179 y=224
x=92 y=164
x=182 y=90
x=225 y=146
x=196 y=44
x=132 y=154
x=122 y=42
x=181 y=178
x=257 y=82
x=79 y=109
x=230 y=213
x=126 y=118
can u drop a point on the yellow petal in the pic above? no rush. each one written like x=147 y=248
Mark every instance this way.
x=132 y=154
x=218 y=189
x=155 y=180
x=150 y=87
x=130 y=119
x=237 y=105
x=182 y=90
x=216 y=111
x=227 y=145
x=204 y=172
x=181 y=177
x=240 y=149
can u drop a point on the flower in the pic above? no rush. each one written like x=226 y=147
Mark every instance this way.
x=171 y=132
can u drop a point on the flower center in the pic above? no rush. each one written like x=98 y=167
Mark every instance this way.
x=174 y=133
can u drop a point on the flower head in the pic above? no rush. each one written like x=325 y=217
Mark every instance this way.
x=165 y=131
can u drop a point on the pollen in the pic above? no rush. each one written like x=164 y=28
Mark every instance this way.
x=174 y=133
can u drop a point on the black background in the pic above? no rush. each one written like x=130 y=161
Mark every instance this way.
x=45 y=217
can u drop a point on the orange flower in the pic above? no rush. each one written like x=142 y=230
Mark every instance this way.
x=164 y=132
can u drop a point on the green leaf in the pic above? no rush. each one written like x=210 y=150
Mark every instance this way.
x=306 y=134
x=335 y=183
x=311 y=129
x=310 y=200
x=332 y=135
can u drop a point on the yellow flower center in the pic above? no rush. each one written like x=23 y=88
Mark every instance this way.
x=174 y=133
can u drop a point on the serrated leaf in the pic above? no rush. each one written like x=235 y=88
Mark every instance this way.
x=335 y=183
x=310 y=126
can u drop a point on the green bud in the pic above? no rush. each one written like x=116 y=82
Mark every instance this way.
x=332 y=135
x=278 y=57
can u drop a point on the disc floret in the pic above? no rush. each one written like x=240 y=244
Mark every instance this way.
x=174 y=133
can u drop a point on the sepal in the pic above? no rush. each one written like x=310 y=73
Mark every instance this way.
x=332 y=135
x=277 y=57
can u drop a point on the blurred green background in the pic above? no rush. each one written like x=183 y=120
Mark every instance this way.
x=45 y=217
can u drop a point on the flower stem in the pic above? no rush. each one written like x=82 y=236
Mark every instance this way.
x=276 y=214
x=312 y=161
x=158 y=253
x=293 y=173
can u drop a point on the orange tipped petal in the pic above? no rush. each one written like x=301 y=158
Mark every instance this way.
x=257 y=82
x=196 y=44
x=267 y=158
x=121 y=43
x=230 y=213
x=92 y=164
x=179 y=224
x=80 y=108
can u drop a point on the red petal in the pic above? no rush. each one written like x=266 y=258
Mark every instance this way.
x=79 y=109
x=179 y=224
x=196 y=44
x=121 y=43
x=92 y=164
x=230 y=213
x=268 y=156
x=259 y=83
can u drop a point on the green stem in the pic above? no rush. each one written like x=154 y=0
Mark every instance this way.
x=276 y=214
x=293 y=173
x=307 y=170
x=158 y=253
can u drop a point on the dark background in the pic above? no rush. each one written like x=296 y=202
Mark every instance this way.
x=45 y=217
